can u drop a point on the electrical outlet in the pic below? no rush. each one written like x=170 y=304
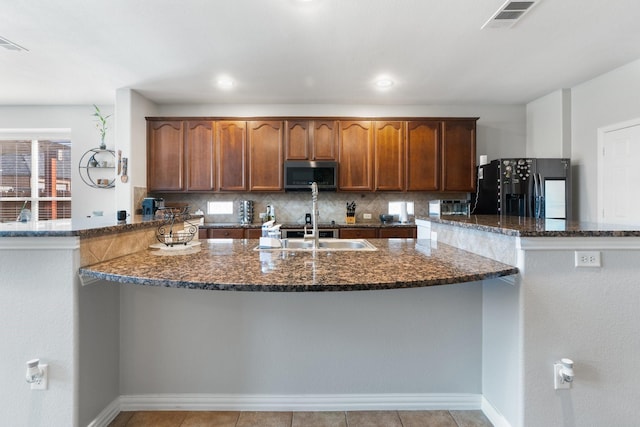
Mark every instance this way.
x=44 y=382
x=587 y=259
x=366 y=216
x=558 y=384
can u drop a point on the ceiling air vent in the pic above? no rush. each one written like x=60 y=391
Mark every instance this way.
x=509 y=13
x=9 y=45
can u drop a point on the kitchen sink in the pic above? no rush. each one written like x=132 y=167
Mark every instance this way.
x=323 y=245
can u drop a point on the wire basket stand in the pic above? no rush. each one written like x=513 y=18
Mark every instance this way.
x=170 y=233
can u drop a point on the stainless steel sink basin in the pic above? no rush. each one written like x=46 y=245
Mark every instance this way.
x=323 y=245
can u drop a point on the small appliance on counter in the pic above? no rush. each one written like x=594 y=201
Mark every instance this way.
x=387 y=218
x=449 y=207
x=151 y=204
x=246 y=211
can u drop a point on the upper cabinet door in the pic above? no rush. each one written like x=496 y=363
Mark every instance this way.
x=355 y=153
x=265 y=156
x=459 y=155
x=165 y=155
x=200 y=156
x=231 y=147
x=324 y=139
x=389 y=156
x=310 y=139
x=297 y=140
x=423 y=155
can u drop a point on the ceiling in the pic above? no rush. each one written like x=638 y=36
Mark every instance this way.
x=314 y=52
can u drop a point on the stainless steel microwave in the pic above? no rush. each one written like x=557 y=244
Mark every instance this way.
x=298 y=175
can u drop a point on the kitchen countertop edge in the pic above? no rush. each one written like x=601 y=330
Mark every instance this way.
x=234 y=265
x=534 y=227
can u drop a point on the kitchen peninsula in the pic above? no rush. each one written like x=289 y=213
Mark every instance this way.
x=554 y=310
x=486 y=343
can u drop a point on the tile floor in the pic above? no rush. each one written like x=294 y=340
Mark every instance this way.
x=302 y=419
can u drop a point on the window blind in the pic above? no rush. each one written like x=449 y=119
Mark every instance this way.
x=46 y=194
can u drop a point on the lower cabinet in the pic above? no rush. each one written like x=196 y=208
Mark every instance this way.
x=229 y=233
x=252 y=233
x=225 y=233
x=359 y=233
x=344 y=233
x=378 y=233
x=398 y=233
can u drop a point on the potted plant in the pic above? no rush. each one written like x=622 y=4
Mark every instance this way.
x=101 y=125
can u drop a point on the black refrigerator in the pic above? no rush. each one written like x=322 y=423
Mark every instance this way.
x=528 y=187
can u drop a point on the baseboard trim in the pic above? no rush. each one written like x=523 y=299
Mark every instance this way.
x=305 y=402
x=312 y=402
x=107 y=415
x=493 y=414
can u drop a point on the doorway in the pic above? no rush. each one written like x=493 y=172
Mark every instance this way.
x=619 y=174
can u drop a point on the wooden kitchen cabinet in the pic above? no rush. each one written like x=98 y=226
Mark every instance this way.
x=265 y=156
x=355 y=155
x=423 y=155
x=324 y=139
x=458 y=155
x=358 y=233
x=231 y=146
x=229 y=233
x=397 y=232
x=207 y=154
x=389 y=155
x=310 y=140
x=200 y=156
x=202 y=233
x=297 y=140
x=252 y=233
x=165 y=155
x=225 y=233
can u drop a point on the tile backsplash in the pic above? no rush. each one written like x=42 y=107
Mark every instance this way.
x=291 y=207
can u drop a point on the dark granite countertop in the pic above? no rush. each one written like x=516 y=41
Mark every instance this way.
x=85 y=227
x=322 y=225
x=532 y=227
x=235 y=265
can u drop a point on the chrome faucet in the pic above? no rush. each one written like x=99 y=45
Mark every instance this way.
x=314 y=217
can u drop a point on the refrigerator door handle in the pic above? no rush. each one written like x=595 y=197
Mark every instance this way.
x=539 y=196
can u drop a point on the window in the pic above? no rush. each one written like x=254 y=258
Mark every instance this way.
x=47 y=193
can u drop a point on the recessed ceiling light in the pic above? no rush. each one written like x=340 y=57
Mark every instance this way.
x=384 y=83
x=225 y=83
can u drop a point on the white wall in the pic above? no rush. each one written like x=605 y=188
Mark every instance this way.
x=501 y=347
x=611 y=98
x=99 y=348
x=84 y=136
x=588 y=315
x=500 y=133
x=131 y=133
x=549 y=125
x=425 y=340
x=501 y=129
x=38 y=311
